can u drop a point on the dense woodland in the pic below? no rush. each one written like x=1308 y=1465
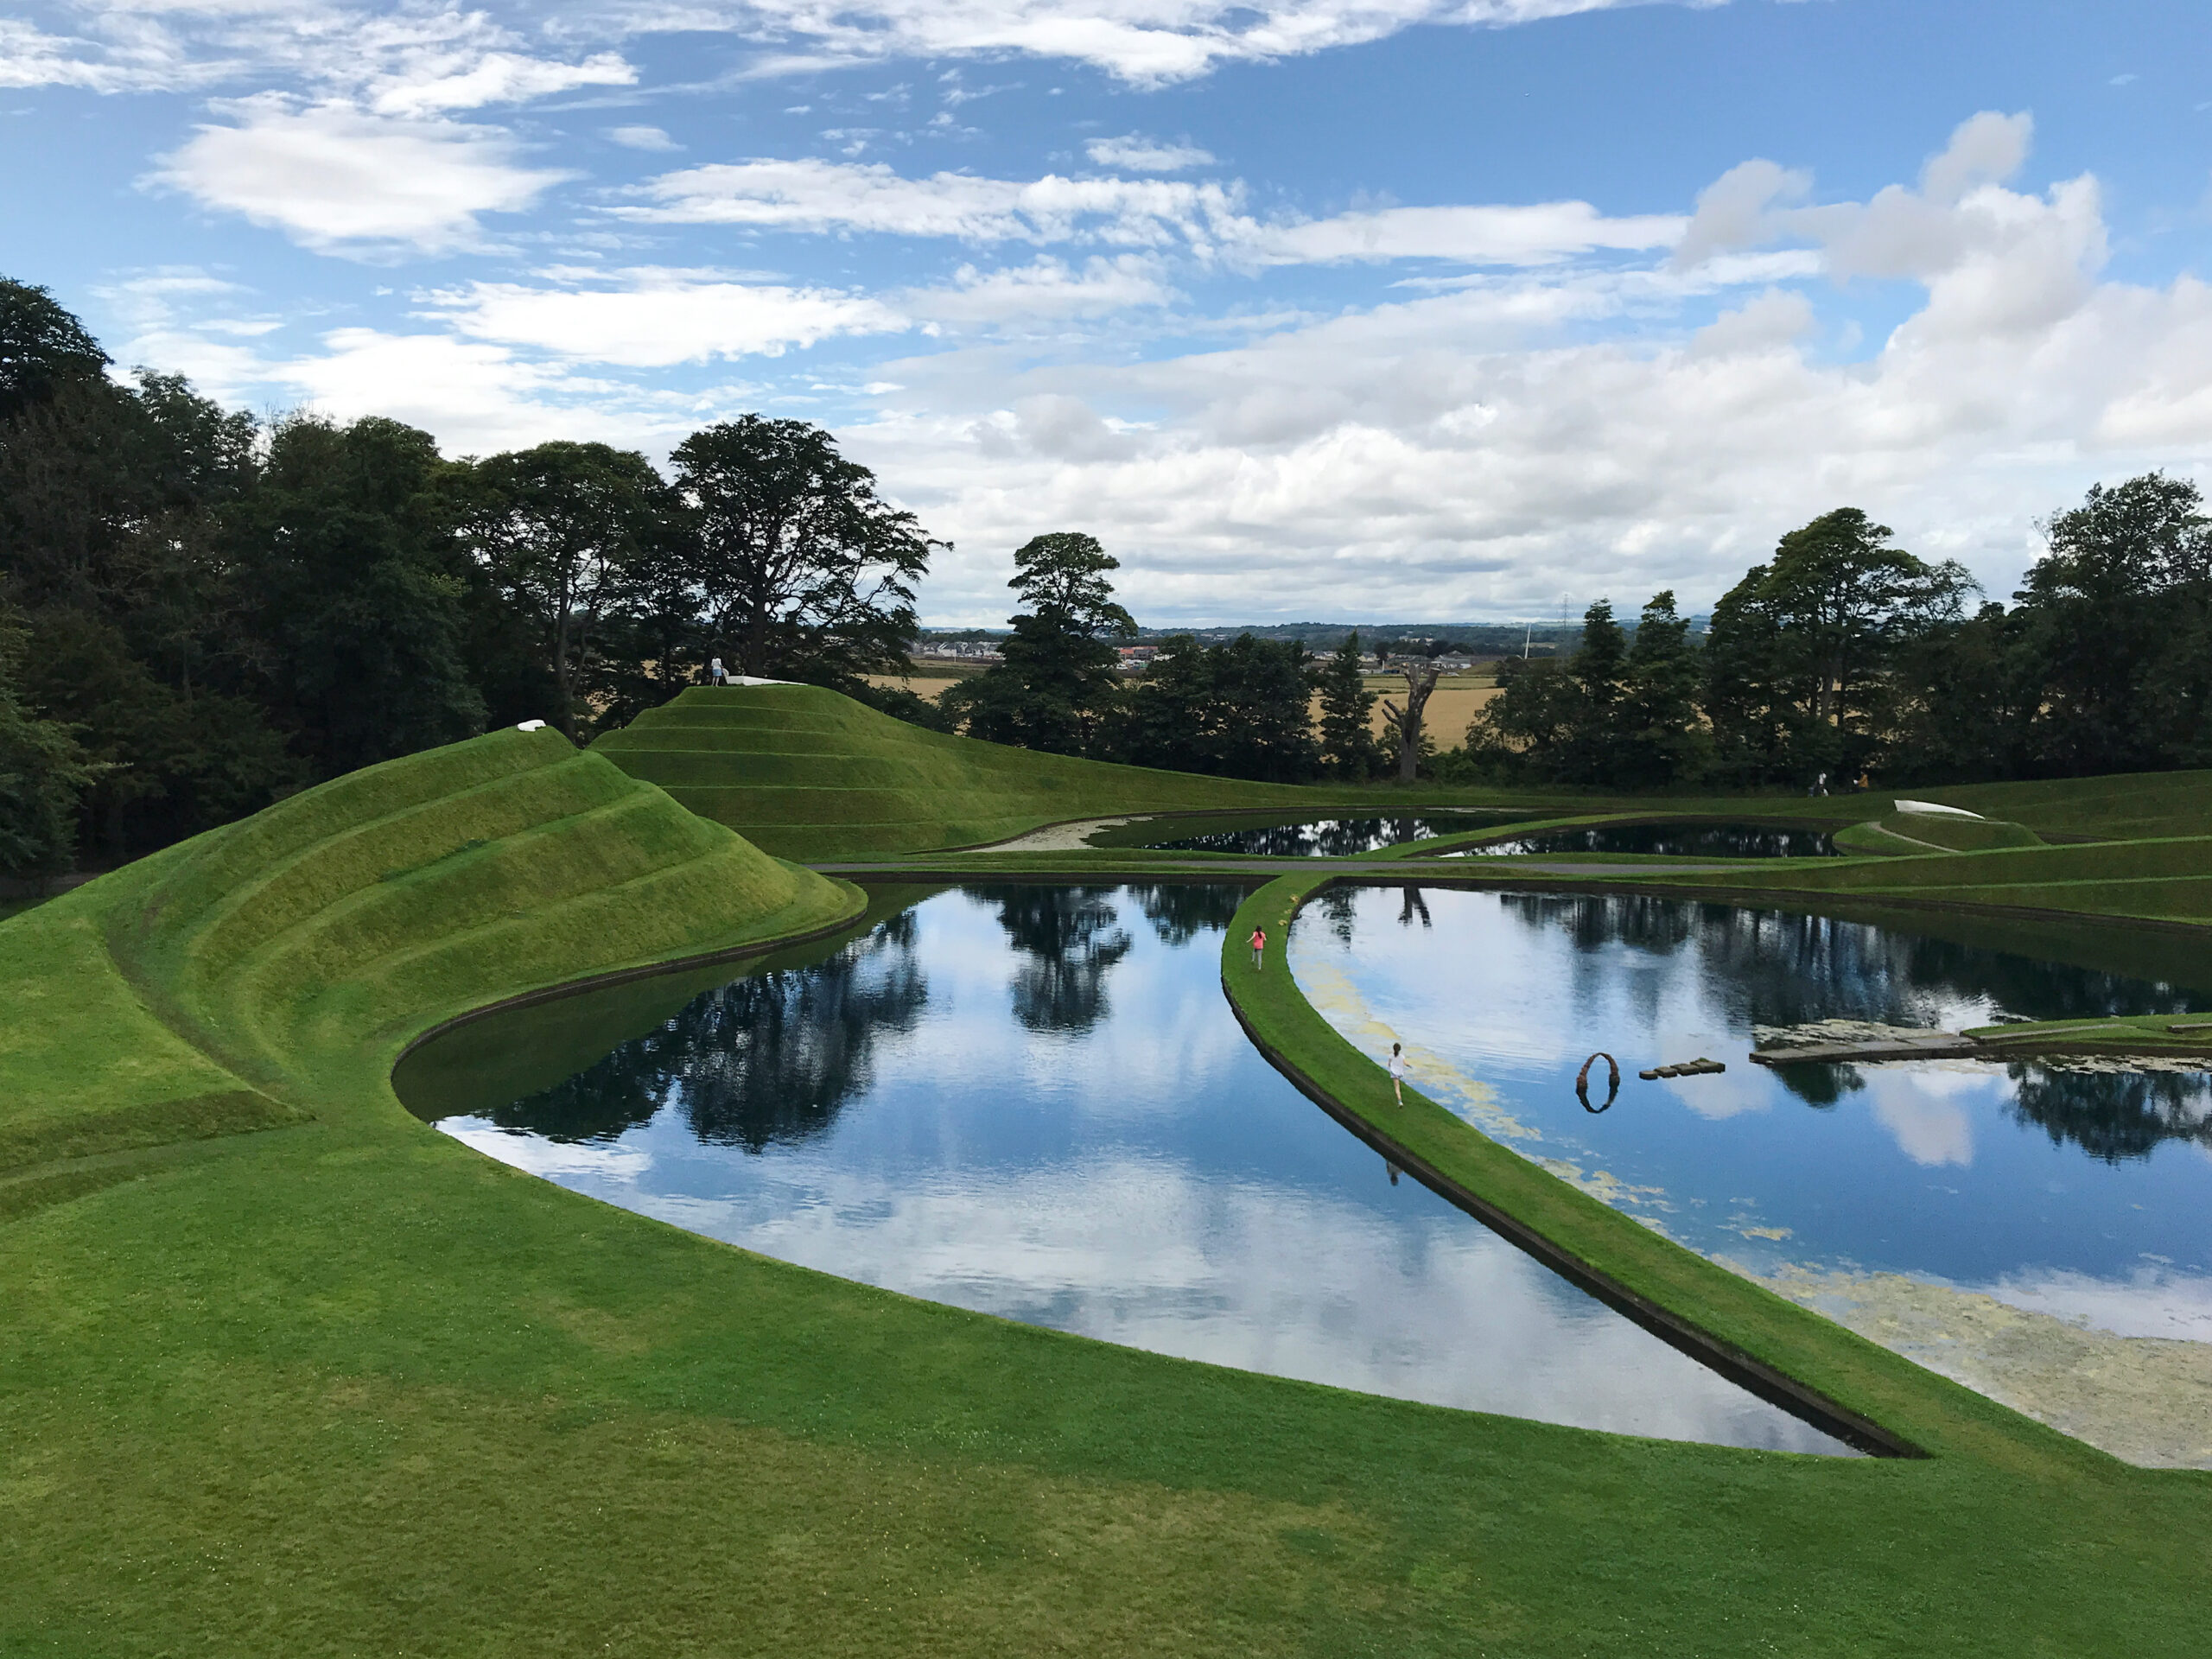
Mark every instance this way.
x=200 y=612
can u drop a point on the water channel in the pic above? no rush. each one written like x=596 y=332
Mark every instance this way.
x=1033 y=1101
x=2083 y=1189
x=1277 y=836
x=1671 y=840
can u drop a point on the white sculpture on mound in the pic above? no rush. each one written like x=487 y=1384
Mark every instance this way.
x=532 y=725
x=1930 y=809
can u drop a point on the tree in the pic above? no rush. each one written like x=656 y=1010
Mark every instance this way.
x=360 y=576
x=42 y=772
x=1965 y=694
x=1798 y=653
x=1235 y=710
x=1348 y=744
x=558 y=527
x=42 y=347
x=2115 y=627
x=1663 y=741
x=1406 y=722
x=807 y=574
x=1058 y=680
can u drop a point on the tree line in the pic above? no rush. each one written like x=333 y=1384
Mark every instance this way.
x=200 y=613
x=1845 y=657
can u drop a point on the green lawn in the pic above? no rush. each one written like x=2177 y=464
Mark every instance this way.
x=298 y=1376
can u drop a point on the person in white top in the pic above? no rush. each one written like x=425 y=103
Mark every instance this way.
x=1398 y=1073
x=715 y=675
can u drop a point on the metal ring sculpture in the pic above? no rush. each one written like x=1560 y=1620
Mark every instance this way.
x=1582 y=1082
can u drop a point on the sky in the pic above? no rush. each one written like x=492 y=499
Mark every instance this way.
x=1454 y=310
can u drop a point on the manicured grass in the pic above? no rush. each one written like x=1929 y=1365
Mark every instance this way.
x=344 y=1386
x=2127 y=806
x=807 y=773
x=1920 y=832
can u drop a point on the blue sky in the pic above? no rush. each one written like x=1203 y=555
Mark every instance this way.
x=1325 y=308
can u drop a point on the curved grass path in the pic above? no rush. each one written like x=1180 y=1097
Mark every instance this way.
x=283 y=1371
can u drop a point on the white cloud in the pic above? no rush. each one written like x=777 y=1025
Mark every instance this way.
x=821 y=196
x=1143 y=42
x=1540 y=234
x=1045 y=289
x=339 y=180
x=1141 y=155
x=1207 y=219
x=642 y=138
x=654 y=318
x=498 y=78
x=426 y=58
x=1475 y=452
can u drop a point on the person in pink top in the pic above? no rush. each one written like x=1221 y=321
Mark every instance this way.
x=1259 y=947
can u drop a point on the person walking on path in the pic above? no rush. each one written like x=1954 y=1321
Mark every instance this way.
x=1259 y=947
x=1398 y=1073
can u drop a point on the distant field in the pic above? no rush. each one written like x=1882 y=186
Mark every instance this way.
x=1455 y=702
x=929 y=687
x=1457 y=698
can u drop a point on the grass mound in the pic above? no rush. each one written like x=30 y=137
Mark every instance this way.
x=194 y=993
x=2124 y=806
x=1920 y=832
x=805 y=773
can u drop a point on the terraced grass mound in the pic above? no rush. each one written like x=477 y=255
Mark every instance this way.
x=196 y=992
x=1920 y=832
x=805 y=773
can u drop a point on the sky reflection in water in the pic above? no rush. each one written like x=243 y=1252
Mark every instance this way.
x=2086 y=1195
x=1034 y=1101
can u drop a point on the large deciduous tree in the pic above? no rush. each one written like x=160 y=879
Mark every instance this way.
x=1058 y=680
x=806 y=573
x=2116 y=622
x=561 y=529
x=1799 y=651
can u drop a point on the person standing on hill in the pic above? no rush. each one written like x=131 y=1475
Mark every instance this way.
x=714 y=674
x=1398 y=1073
x=1259 y=947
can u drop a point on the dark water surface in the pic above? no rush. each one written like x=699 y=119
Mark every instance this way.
x=1033 y=1101
x=1306 y=837
x=2084 y=1193
x=1673 y=840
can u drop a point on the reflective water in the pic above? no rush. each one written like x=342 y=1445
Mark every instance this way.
x=1033 y=1101
x=2084 y=1192
x=1673 y=840
x=1307 y=837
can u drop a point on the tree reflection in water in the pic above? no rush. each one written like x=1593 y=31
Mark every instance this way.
x=1069 y=937
x=761 y=1061
x=1772 y=967
x=2114 y=1115
x=1775 y=968
x=1179 y=912
x=1326 y=838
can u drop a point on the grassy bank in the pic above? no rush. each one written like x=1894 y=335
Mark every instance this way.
x=308 y=1377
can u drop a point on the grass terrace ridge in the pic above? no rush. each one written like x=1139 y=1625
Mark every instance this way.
x=806 y=772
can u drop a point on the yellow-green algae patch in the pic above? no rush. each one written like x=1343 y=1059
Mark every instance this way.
x=2145 y=1399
